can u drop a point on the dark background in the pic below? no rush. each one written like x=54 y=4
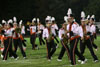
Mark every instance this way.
x=28 y=9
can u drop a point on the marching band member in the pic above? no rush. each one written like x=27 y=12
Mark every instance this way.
x=1 y=42
x=48 y=36
x=17 y=39
x=22 y=28
x=73 y=34
x=33 y=30
x=54 y=28
x=0 y=35
x=85 y=37
x=22 y=33
x=64 y=41
x=40 y=28
x=7 y=40
x=93 y=31
x=2 y=26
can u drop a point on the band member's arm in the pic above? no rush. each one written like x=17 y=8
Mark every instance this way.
x=45 y=34
x=56 y=27
x=2 y=39
x=60 y=35
x=21 y=37
x=81 y=33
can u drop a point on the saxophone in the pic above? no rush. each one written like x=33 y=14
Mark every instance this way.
x=50 y=38
x=18 y=30
x=65 y=38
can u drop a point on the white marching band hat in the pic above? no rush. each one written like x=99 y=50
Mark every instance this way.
x=83 y=16
x=48 y=19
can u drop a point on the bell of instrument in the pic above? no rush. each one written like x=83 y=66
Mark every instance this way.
x=86 y=22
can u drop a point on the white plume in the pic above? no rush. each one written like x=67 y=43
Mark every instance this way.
x=3 y=21
x=14 y=19
x=65 y=18
x=10 y=21
x=52 y=19
x=88 y=16
x=20 y=22
x=38 y=20
x=93 y=16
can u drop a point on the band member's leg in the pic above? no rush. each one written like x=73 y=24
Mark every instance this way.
x=53 y=48
x=40 y=40
x=33 y=37
x=21 y=48
x=23 y=42
x=31 y=40
x=48 y=49
x=15 y=41
x=82 y=47
x=61 y=52
x=73 y=44
x=81 y=57
x=64 y=48
x=5 y=52
x=92 y=41
x=89 y=45
x=56 y=39
x=43 y=42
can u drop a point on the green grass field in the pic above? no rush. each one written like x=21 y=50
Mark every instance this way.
x=37 y=58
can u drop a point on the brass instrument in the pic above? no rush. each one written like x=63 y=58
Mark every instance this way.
x=65 y=38
x=18 y=30
x=50 y=38
x=86 y=22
